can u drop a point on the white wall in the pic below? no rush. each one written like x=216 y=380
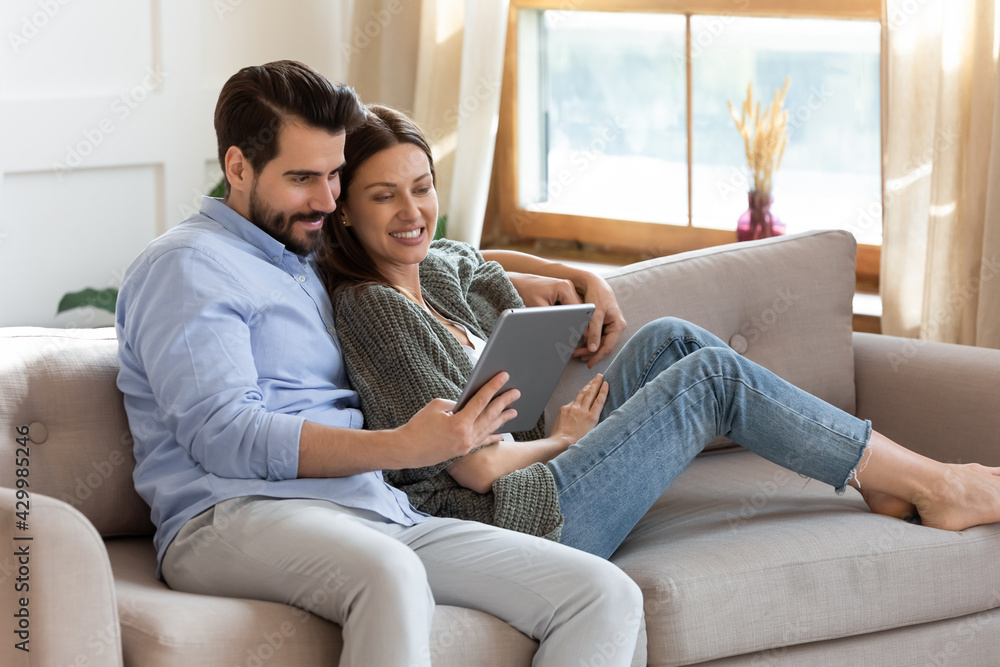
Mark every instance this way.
x=106 y=136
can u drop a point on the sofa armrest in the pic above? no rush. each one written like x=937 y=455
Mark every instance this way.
x=58 y=586
x=938 y=399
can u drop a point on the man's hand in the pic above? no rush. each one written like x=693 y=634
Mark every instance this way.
x=566 y=284
x=543 y=291
x=436 y=434
x=606 y=324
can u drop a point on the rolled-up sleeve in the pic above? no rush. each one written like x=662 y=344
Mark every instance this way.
x=189 y=324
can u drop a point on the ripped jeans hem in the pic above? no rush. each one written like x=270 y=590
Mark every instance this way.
x=853 y=474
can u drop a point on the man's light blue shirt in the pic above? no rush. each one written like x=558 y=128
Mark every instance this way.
x=227 y=345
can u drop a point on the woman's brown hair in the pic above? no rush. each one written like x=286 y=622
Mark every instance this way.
x=343 y=261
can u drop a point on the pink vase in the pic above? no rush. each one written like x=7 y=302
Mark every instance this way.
x=757 y=222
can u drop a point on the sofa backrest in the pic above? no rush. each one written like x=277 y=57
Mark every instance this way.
x=783 y=302
x=60 y=386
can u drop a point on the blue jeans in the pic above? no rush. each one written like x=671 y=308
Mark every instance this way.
x=675 y=387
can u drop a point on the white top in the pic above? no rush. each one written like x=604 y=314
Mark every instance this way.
x=474 y=350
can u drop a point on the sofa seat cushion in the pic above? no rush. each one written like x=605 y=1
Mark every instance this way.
x=165 y=628
x=740 y=555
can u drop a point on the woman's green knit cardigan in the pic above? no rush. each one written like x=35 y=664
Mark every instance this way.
x=399 y=357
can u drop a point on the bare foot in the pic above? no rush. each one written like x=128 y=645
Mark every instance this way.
x=965 y=495
x=888 y=505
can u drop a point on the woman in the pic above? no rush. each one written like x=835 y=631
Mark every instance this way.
x=412 y=317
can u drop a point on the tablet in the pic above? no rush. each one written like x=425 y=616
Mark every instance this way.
x=533 y=345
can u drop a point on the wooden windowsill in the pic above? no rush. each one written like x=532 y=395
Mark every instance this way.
x=867 y=302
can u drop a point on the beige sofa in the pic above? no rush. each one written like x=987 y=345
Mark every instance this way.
x=741 y=562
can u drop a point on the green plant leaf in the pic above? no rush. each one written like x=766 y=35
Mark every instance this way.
x=219 y=190
x=442 y=228
x=103 y=299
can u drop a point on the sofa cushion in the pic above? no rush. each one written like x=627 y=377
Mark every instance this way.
x=784 y=302
x=164 y=628
x=740 y=555
x=61 y=384
x=965 y=641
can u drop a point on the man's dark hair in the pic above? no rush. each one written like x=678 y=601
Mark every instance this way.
x=256 y=102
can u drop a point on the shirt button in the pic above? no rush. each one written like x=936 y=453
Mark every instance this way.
x=302 y=279
x=275 y=258
x=332 y=332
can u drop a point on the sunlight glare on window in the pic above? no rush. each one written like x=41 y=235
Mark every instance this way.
x=612 y=117
x=602 y=117
x=830 y=174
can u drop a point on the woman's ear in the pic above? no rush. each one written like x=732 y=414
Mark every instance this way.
x=345 y=218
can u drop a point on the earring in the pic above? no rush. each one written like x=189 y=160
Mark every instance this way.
x=346 y=223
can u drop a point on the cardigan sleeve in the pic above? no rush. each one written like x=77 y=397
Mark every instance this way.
x=456 y=278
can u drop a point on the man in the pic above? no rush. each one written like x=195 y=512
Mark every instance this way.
x=248 y=443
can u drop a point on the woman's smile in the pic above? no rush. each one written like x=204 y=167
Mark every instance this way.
x=409 y=237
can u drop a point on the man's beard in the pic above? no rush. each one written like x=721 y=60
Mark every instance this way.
x=280 y=227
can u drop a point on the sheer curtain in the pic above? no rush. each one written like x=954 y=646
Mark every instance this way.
x=441 y=61
x=940 y=275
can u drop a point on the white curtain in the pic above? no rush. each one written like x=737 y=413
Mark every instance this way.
x=940 y=275
x=441 y=61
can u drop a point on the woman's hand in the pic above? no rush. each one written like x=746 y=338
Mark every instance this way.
x=577 y=418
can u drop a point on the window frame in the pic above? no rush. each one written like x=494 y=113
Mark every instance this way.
x=508 y=224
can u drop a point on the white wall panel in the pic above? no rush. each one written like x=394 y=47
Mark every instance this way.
x=60 y=49
x=100 y=90
x=85 y=237
x=305 y=30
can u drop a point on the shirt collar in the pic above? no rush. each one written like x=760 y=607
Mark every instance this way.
x=216 y=209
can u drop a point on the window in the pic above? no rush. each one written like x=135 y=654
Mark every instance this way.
x=615 y=130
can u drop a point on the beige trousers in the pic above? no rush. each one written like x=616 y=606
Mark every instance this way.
x=380 y=581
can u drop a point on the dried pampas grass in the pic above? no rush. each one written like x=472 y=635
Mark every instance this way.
x=764 y=136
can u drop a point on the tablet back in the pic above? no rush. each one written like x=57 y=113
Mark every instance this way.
x=533 y=345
